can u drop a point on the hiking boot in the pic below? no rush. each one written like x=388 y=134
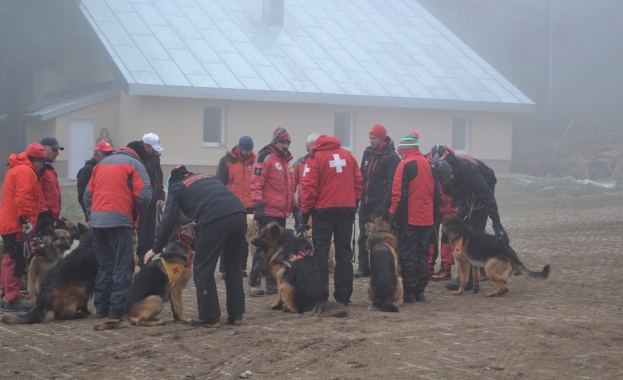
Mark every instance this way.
x=235 y=319
x=21 y=305
x=420 y=297
x=361 y=273
x=455 y=283
x=255 y=291
x=212 y=323
x=442 y=274
x=270 y=290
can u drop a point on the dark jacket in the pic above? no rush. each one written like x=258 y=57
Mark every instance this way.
x=378 y=169
x=155 y=178
x=83 y=176
x=472 y=178
x=201 y=197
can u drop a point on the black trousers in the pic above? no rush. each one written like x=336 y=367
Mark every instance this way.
x=146 y=232
x=226 y=236
x=341 y=232
x=245 y=253
x=413 y=243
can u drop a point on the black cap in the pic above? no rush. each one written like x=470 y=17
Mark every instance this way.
x=51 y=141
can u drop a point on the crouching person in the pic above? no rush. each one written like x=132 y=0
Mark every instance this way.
x=222 y=228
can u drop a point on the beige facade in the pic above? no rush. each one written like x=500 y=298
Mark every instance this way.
x=179 y=123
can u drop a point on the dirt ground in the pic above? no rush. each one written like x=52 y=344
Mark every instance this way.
x=568 y=328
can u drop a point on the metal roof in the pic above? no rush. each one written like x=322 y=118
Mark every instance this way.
x=351 y=52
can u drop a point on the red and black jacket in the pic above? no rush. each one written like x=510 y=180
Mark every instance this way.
x=235 y=173
x=378 y=169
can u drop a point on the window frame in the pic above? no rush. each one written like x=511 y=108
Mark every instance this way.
x=466 y=132
x=214 y=144
x=348 y=145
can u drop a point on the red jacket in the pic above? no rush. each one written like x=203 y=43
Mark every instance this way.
x=272 y=182
x=235 y=173
x=332 y=177
x=21 y=194
x=413 y=191
x=119 y=186
x=51 y=190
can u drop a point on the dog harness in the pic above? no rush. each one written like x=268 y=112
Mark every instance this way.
x=173 y=270
x=300 y=255
x=457 y=247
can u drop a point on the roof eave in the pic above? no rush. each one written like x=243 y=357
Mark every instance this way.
x=63 y=107
x=317 y=98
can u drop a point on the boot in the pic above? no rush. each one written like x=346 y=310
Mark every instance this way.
x=444 y=273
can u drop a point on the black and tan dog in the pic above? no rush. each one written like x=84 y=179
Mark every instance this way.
x=385 y=286
x=76 y=230
x=300 y=285
x=161 y=280
x=66 y=289
x=476 y=249
x=45 y=254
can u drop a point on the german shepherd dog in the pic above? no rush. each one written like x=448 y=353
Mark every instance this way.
x=76 y=230
x=300 y=285
x=476 y=249
x=161 y=280
x=385 y=286
x=46 y=254
x=66 y=289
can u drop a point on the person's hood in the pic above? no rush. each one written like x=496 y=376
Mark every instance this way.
x=326 y=142
x=235 y=152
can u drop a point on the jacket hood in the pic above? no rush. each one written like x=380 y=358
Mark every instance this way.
x=19 y=159
x=91 y=160
x=273 y=149
x=326 y=142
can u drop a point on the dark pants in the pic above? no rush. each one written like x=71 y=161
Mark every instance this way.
x=244 y=254
x=114 y=249
x=341 y=232
x=413 y=243
x=146 y=232
x=257 y=264
x=365 y=211
x=221 y=236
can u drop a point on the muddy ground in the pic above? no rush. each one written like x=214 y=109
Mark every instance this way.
x=569 y=328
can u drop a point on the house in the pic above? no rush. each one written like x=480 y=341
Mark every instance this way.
x=201 y=73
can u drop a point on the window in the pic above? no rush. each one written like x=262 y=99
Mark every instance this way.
x=213 y=126
x=343 y=128
x=459 y=135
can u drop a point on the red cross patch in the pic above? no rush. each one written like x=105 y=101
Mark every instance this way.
x=175 y=270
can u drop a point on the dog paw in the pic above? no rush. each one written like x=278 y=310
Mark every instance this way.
x=457 y=293
x=277 y=306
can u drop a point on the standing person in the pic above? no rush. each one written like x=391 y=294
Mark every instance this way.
x=272 y=191
x=412 y=212
x=299 y=165
x=331 y=190
x=51 y=189
x=102 y=149
x=146 y=230
x=119 y=188
x=19 y=209
x=472 y=184
x=222 y=228
x=234 y=171
x=447 y=207
x=378 y=167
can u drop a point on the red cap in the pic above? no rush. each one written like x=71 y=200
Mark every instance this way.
x=36 y=152
x=378 y=131
x=104 y=146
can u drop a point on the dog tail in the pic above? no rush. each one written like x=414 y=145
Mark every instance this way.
x=34 y=315
x=110 y=325
x=545 y=274
x=329 y=309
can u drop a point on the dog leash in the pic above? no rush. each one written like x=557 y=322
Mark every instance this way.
x=353 y=243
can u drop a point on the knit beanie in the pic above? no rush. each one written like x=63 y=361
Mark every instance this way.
x=409 y=142
x=245 y=143
x=280 y=135
x=36 y=152
x=139 y=148
x=378 y=131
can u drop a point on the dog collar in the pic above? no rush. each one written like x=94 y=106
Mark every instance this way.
x=300 y=255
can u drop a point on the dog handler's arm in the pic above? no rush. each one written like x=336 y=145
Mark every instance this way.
x=171 y=211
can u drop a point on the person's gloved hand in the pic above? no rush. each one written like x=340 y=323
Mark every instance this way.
x=258 y=213
x=26 y=225
x=300 y=228
x=501 y=235
x=296 y=213
x=392 y=221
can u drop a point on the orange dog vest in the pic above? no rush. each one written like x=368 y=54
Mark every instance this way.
x=173 y=270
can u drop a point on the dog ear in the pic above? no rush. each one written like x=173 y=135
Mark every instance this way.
x=82 y=229
x=60 y=224
x=275 y=231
